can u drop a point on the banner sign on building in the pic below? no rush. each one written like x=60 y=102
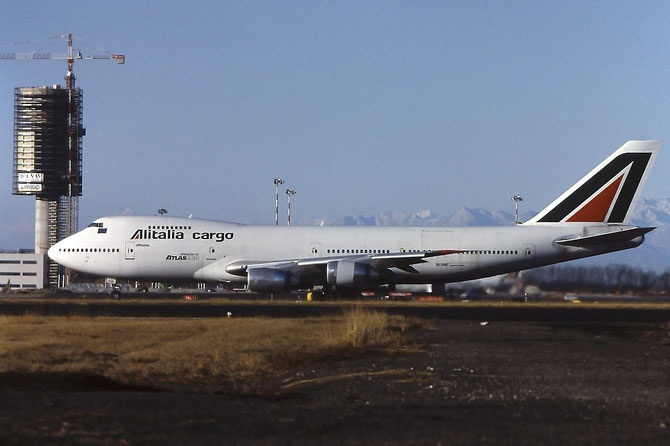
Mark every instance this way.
x=25 y=187
x=31 y=177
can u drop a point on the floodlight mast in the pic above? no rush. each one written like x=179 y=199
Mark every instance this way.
x=278 y=181
x=289 y=192
x=516 y=199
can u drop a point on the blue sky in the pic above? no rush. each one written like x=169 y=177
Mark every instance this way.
x=361 y=106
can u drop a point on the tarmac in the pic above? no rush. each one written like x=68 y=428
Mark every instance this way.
x=484 y=373
x=206 y=305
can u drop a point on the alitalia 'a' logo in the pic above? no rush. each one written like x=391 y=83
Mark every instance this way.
x=607 y=195
x=172 y=234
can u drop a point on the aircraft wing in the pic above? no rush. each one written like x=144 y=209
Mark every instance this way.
x=316 y=266
x=405 y=260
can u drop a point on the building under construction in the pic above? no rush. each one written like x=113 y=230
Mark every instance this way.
x=48 y=134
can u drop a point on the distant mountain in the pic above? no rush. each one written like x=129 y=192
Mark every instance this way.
x=462 y=217
x=391 y=218
x=654 y=254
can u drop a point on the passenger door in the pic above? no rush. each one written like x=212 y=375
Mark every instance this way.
x=130 y=250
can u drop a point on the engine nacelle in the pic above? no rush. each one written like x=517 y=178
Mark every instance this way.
x=350 y=274
x=271 y=280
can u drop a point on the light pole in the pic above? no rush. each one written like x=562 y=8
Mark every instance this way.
x=289 y=192
x=278 y=181
x=516 y=199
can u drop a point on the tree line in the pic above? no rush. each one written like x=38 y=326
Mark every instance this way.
x=610 y=278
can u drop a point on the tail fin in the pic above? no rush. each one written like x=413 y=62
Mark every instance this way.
x=608 y=193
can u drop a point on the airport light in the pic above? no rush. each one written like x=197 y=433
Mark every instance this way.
x=278 y=181
x=289 y=192
x=516 y=199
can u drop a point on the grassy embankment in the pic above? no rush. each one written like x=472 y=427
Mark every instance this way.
x=228 y=354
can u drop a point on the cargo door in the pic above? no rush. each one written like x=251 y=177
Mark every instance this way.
x=437 y=239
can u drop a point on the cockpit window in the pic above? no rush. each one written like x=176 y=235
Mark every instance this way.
x=95 y=225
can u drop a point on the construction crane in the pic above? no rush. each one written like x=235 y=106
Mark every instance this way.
x=71 y=55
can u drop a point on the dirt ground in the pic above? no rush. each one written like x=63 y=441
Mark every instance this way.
x=459 y=382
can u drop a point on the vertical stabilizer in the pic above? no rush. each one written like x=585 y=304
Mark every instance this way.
x=609 y=192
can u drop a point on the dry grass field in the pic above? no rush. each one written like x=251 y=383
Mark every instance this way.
x=356 y=376
x=222 y=354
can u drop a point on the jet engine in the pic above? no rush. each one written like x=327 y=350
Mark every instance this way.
x=351 y=274
x=271 y=280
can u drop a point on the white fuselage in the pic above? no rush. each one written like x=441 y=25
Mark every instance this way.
x=182 y=249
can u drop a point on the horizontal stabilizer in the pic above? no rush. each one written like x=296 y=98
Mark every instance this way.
x=606 y=238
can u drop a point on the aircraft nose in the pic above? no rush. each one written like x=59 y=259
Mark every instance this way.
x=55 y=252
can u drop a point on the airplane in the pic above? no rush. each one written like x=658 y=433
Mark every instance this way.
x=590 y=218
x=508 y=283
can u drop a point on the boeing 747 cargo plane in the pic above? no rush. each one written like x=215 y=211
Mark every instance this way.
x=591 y=218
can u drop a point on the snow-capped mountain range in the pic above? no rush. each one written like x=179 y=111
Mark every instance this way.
x=654 y=254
